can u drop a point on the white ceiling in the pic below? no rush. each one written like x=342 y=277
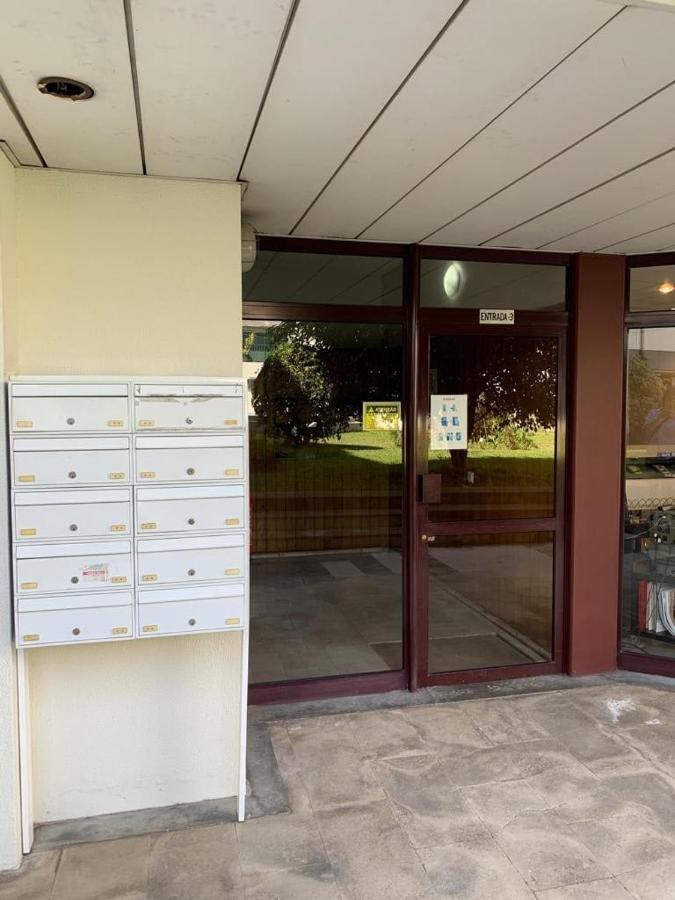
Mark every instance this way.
x=514 y=123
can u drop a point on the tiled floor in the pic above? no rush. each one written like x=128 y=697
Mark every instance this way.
x=556 y=796
x=336 y=614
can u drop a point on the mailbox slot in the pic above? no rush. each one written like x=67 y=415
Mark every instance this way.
x=193 y=407
x=188 y=510
x=190 y=560
x=72 y=515
x=60 y=462
x=69 y=408
x=189 y=459
x=73 y=568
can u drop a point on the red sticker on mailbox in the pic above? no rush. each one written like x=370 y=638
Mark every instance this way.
x=95 y=572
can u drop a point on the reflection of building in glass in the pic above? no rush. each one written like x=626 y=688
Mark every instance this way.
x=649 y=526
x=256 y=341
x=256 y=347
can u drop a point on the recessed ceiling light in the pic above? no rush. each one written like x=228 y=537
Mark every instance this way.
x=64 y=88
x=666 y=288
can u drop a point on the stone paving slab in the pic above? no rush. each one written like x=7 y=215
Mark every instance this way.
x=560 y=795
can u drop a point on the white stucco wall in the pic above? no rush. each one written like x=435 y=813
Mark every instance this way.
x=10 y=825
x=126 y=275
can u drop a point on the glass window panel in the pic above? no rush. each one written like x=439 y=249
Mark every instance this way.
x=648 y=598
x=326 y=488
x=284 y=277
x=507 y=470
x=455 y=284
x=652 y=287
x=490 y=601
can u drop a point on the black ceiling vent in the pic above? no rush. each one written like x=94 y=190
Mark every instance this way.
x=65 y=88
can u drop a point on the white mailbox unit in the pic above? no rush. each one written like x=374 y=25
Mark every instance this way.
x=129 y=517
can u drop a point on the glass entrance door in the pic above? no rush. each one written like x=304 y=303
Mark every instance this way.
x=490 y=470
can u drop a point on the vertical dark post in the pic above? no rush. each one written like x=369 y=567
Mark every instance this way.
x=410 y=561
x=595 y=441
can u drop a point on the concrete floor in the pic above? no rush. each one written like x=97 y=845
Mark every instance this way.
x=322 y=614
x=556 y=794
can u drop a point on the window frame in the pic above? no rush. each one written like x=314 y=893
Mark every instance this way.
x=638 y=662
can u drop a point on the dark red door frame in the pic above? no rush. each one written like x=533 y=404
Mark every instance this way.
x=595 y=482
x=413 y=318
x=431 y=324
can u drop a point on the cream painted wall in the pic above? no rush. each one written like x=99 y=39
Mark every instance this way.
x=127 y=275
x=10 y=853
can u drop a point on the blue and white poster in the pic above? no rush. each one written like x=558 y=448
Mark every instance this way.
x=449 y=422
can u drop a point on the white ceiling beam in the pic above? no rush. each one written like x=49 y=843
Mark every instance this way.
x=560 y=228
x=490 y=56
x=16 y=138
x=202 y=71
x=645 y=132
x=341 y=64
x=623 y=63
x=87 y=41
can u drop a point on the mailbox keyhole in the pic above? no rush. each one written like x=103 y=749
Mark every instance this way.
x=70 y=420
x=190 y=471
x=191 y=521
x=76 y=631
x=192 y=621
x=74 y=579
x=191 y=572
x=73 y=527
x=72 y=474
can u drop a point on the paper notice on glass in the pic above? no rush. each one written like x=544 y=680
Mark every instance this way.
x=449 y=422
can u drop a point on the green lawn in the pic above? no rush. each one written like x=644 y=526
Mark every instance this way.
x=345 y=493
x=375 y=454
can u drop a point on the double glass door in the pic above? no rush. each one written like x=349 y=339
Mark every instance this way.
x=487 y=561
x=406 y=466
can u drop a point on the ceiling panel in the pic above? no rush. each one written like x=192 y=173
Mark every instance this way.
x=431 y=118
x=84 y=40
x=15 y=137
x=621 y=65
x=341 y=64
x=560 y=228
x=202 y=70
x=640 y=225
x=631 y=140
x=658 y=239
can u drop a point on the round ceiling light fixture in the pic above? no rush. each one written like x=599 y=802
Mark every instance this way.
x=453 y=279
x=65 y=88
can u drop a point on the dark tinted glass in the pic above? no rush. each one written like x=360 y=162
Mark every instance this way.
x=652 y=287
x=490 y=601
x=454 y=284
x=498 y=461
x=648 y=607
x=322 y=278
x=326 y=462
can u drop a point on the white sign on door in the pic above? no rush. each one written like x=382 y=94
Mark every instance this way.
x=449 y=422
x=496 y=317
